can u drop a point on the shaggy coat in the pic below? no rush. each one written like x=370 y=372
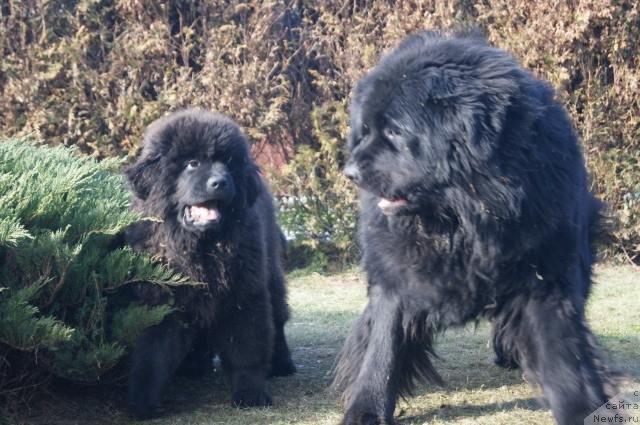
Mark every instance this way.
x=474 y=203
x=216 y=225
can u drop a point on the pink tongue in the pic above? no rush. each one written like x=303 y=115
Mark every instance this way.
x=386 y=203
x=204 y=213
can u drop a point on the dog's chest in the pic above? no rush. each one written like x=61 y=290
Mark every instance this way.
x=212 y=266
x=434 y=273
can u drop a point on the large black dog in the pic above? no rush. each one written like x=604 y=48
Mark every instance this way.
x=475 y=203
x=217 y=226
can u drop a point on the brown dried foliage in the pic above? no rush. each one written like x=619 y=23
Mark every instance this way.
x=94 y=73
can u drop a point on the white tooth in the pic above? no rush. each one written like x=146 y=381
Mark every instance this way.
x=385 y=203
x=204 y=213
x=210 y=213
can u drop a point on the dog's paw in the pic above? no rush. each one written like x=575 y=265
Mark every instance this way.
x=144 y=404
x=282 y=367
x=364 y=418
x=145 y=412
x=251 y=398
x=506 y=363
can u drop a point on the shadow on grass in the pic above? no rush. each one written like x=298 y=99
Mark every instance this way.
x=622 y=353
x=466 y=367
x=318 y=327
x=464 y=359
x=450 y=412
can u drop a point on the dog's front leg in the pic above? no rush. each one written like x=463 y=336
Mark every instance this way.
x=371 y=397
x=157 y=354
x=246 y=349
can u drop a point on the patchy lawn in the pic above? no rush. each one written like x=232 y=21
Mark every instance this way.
x=477 y=392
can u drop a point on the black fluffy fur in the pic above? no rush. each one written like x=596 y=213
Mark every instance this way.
x=495 y=219
x=242 y=312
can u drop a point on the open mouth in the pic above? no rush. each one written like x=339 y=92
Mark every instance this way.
x=391 y=206
x=203 y=214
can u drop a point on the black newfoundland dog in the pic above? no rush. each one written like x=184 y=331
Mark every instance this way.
x=217 y=226
x=475 y=203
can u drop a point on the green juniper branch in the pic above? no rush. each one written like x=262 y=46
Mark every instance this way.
x=64 y=310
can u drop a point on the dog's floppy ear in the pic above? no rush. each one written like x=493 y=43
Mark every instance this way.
x=141 y=175
x=253 y=183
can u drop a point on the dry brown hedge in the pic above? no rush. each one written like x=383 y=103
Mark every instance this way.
x=94 y=73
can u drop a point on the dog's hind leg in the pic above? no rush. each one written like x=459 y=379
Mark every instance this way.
x=556 y=352
x=281 y=363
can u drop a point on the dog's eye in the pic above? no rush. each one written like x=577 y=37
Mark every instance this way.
x=193 y=164
x=391 y=133
x=357 y=138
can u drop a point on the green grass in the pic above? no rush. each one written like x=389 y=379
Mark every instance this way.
x=477 y=392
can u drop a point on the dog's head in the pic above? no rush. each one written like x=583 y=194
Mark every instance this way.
x=195 y=170
x=427 y=118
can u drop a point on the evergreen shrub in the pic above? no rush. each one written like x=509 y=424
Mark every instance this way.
x=64 y=270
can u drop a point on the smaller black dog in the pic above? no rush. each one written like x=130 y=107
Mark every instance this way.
x=217 y=226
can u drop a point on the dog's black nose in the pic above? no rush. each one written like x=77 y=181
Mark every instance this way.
x=217 y=182
x=352 y=172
